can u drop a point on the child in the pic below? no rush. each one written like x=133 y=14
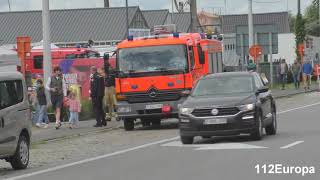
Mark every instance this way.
x=42 y=100
x=75 y=109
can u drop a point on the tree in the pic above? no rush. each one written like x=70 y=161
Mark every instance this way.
x=312 y=19
x=300 y=32
x=292 y=21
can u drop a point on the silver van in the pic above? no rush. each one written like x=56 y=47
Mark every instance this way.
x=15 y=120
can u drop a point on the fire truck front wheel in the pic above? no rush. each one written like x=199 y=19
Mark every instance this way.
x=128 y=124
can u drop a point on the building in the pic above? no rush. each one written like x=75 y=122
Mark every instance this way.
x=105 y=26
x=229 y=28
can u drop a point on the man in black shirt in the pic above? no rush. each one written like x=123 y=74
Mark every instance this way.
x=97 y=94
x=109 y=88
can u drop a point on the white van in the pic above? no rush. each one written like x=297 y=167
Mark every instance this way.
x=15 y=120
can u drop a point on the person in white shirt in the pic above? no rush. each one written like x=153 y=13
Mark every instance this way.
x=56 y=85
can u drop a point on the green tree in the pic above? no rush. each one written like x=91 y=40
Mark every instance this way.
x=292 y=21
x=300 y=32
x=312 y=19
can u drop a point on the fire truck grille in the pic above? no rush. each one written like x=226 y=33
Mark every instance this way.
x=153 y=96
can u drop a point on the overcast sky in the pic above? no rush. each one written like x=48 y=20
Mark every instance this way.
x=233 y=6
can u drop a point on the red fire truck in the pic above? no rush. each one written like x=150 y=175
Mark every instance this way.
x=74 y=62
x=156 y=74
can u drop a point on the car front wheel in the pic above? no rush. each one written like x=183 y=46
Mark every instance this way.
x=272 y=128
x=20 y=159
x=258 y=133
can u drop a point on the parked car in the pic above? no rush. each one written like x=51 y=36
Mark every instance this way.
x=228 y=104
x=15 y=120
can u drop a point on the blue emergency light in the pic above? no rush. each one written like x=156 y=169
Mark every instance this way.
x=130 y=38
x=176 y=35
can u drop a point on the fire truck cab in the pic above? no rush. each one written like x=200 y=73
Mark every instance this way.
x=156 y=74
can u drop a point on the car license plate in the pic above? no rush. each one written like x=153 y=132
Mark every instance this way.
x=154 y=106
x=215 y=121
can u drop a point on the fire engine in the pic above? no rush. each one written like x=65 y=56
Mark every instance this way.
x=74 y=62
x=155 y=74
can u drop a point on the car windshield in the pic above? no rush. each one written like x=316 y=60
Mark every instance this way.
x=153 y=59
x=227 y=85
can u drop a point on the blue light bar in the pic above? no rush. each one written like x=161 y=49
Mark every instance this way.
x=130 y=38
x=176 y=35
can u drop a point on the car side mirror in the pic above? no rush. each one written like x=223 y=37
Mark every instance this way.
x=262 y=90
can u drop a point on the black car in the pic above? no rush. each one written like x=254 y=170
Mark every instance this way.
x=226 y=104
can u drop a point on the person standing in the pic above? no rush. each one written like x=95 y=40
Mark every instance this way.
x=42 y=100
x=296 y=72
x=97 y=94
x=56 y=85
x=75 y=109
x=307 y=71
x=109 y=89
x=283 y=71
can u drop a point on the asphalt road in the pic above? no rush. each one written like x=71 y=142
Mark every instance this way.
x=295 y=148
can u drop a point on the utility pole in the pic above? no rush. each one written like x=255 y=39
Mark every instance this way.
x=106 y=4
x=225 y=7
x=194 y=15
x=127 y=17
x=250 y=24
x=299 y=7
x=9 y=4
x=46 y=40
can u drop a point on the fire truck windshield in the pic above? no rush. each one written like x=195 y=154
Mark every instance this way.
x=153 y=59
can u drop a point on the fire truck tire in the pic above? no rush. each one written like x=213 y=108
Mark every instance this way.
x=128 y=124
x=145 y=122
x=156 y=122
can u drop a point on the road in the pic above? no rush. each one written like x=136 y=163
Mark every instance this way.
x=162 y=156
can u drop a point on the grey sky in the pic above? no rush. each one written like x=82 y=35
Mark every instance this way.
x=234 y=6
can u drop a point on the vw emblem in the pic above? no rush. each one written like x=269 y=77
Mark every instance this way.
x=215 y=112
x=153 y=94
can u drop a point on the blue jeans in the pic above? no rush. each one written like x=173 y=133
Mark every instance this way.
x=296 y=80
x=283 y=79
x=43 y=115
x=74 y=118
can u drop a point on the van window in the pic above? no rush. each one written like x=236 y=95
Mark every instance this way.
x=11 y=93
x=38 y=62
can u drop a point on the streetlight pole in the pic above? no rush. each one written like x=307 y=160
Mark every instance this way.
x=250 y=24
x=9 y=4
x=46 y=40
x=127 y=17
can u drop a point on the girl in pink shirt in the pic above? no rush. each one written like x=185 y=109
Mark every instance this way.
x=75 y=109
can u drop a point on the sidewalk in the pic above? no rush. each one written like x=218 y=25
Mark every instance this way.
x=278 y=93
x=86 y=127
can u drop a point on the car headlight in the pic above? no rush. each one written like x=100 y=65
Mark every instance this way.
x=246 y=107
x=186 y=111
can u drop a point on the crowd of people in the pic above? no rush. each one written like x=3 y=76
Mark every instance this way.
x=102 y=95
x=305 y=71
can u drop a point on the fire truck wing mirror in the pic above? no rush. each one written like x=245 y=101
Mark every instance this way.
x=190 y=48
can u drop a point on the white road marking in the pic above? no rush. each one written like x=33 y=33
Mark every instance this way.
x=302 y=107
x=291 y=145
x=91 y=159
x=229 y=146
x=217 y=146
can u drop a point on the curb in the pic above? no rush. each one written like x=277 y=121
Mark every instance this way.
x=295 y=93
